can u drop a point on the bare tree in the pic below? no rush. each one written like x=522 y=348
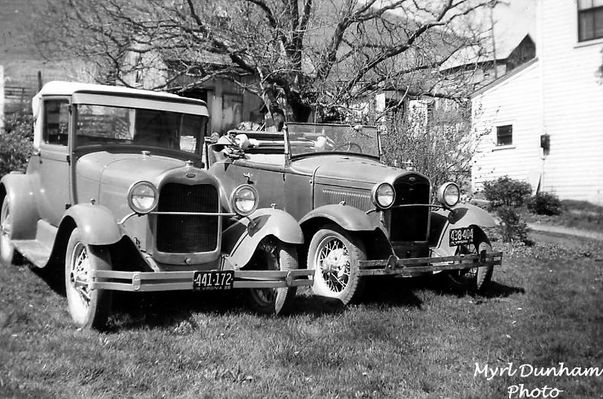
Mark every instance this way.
x=311 y=54
x=434 y=139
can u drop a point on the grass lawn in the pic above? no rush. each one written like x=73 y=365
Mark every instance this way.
x=575 y=214
x=409 y=339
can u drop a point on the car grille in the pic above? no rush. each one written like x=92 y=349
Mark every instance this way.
x=187 y=233
x=410 y=223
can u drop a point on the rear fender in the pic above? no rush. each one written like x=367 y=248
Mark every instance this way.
x=347 y=217
x=241 y=239
x=464 y=215
x=23 y=209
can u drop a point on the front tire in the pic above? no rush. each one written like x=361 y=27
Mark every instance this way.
x=272 y=254
x=89 y=308
x=477 y=278
x=335 y=255
x=8 y=253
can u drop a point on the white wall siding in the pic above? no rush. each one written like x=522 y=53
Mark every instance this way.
x=573 y=105
x=561 y=96
x=512 y=102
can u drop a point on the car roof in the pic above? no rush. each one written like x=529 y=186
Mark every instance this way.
x=60 y=88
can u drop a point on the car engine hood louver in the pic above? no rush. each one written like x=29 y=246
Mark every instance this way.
x=358 y=200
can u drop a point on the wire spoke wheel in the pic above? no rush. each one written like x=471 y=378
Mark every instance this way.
x=89 y=308
x=334 y=255
x=272 y=254
x=78 y=276
x=8 y=254
x=474 y=279
x=334 y=263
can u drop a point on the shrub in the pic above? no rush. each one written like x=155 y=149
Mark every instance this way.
x=513 y=228
x=507 y=192
x=545 y=204
x=15 y=142
x=505 y=196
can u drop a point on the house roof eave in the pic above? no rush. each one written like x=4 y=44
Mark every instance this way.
x=504 y=78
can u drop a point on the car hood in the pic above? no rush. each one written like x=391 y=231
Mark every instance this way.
x=124 y=169
x=347 y=170
x=105 y=177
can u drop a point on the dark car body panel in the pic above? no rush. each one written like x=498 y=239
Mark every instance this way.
x=335 y=187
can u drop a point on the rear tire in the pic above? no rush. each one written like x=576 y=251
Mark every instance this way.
x=334 y=255
x=272 y=254
x=89 y=308
x=8 y=254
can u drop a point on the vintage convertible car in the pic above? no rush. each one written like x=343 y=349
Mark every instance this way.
x=359 y=217
x=116 y=193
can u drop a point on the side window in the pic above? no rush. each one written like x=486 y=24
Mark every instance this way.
x=504 y=135
x=56 y=122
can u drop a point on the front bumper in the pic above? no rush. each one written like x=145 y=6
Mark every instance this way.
x=183 y=280
x=411 y=267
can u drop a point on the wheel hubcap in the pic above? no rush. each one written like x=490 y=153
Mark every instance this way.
x=334 y=263
x=78 y=276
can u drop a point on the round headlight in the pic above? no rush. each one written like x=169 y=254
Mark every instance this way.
x=143 y=197
x=244 y=200
x=383 y=195
x=449 y=194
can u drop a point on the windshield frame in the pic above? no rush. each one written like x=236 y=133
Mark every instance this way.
x=358 y=128
x=134 y=107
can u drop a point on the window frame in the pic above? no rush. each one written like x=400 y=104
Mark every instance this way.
x=592 y=10
x=45 y=138
x=498 y=135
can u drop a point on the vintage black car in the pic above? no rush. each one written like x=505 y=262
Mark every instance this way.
x=359 y=217
x=116 y=195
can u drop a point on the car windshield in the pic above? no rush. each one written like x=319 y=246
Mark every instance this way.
x=306 y=138
x=101 y=124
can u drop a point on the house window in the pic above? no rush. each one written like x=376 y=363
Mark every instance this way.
x=590 y=19
x=504 y=135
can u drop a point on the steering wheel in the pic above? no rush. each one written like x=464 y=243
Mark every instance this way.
x=349 y=145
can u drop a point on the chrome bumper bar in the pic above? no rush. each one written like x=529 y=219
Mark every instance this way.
x=410 y=267
x=183 y=280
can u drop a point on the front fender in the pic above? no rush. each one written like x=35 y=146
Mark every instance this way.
x=96 y=223
x=241 y=239
x=23 y=209
x=467 y=215
x=464 y=215
x=348 y=217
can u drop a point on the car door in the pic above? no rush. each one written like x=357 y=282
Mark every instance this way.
x=298 y=191
x=55 y=194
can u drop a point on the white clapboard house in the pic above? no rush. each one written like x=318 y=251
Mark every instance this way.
x=543 y=121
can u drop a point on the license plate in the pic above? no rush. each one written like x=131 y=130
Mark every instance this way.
x=213 y=280
x=462 y=236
